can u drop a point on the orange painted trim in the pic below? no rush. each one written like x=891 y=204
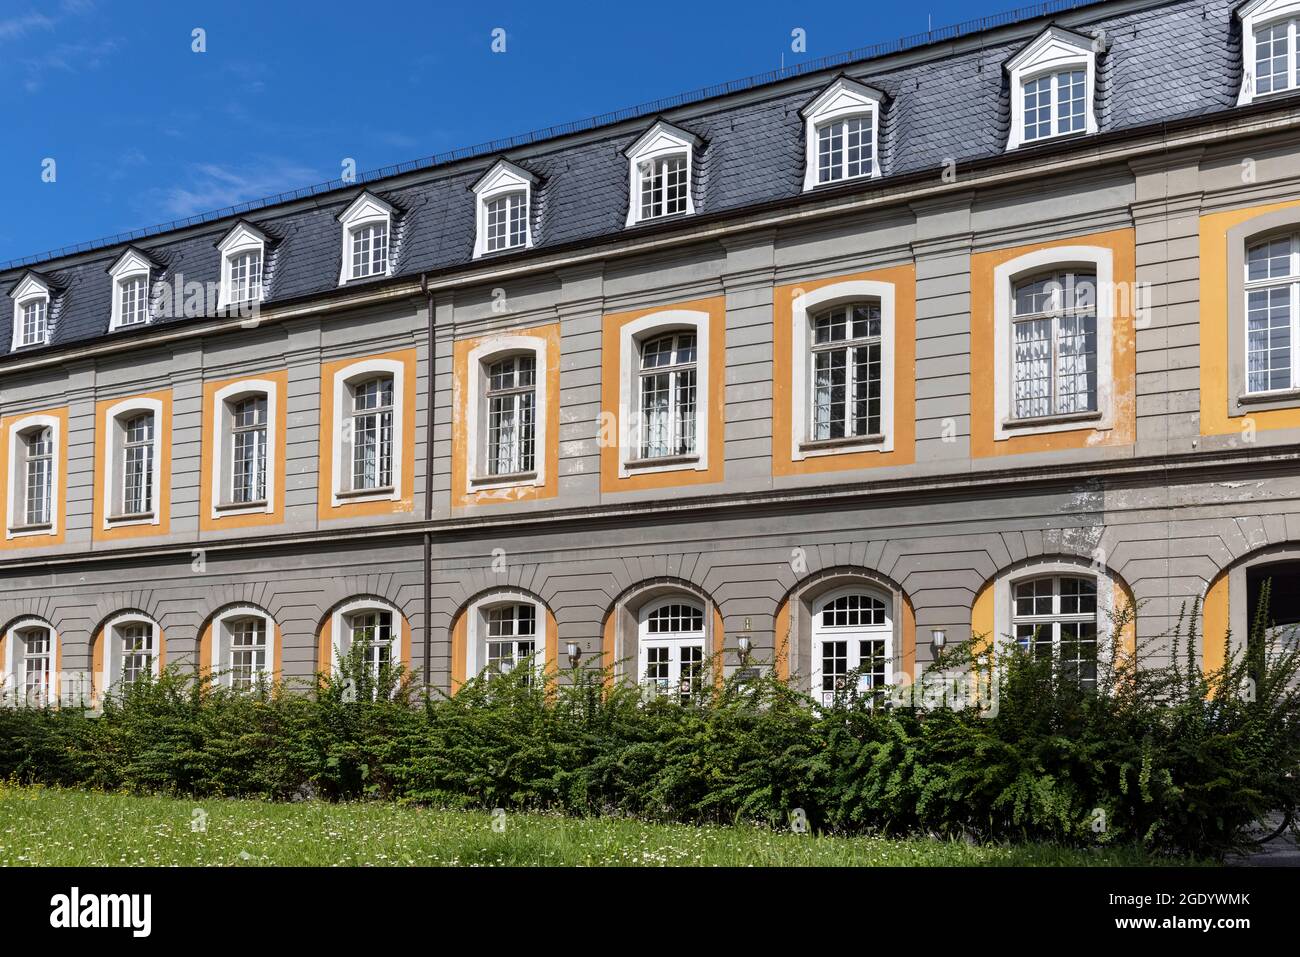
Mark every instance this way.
x=61 y=525
x=551 y=645
x=459 y=648
x=719 y=648
x=465 y=405
x=903 y=279
x=609 y=647
x=1122 y=598
x=163 y=434
x=1216 y=622
x=1215 y=419
x=325 y=507
x=208 y=522
x=611 y=381
x=781 y=653
x=1121 y=243
x=982 y=626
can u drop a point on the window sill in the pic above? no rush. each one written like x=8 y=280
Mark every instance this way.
x=1277 y=395
x=34 y=529
x=1041 y=420
x=847 y=443
x=355 y=493
x=240 y=506
x=661 y=461
x=512 y=478
x=128 y=517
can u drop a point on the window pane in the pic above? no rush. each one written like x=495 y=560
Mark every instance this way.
x=1038 y=108
x=1269 y=260
x=675 y=618
x=830 y=152
x=1069 y=101
x=1270 y=58
x=1268 y=339
x=1033 y=374
x=1076 y=365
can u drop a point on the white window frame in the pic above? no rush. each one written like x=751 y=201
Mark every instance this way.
x=14 y=675
x=17 y=478
x=1256 y=17
x=114 y=458
x=631 y=335
x=222 y=503
x=844 y=99
x=661 y=141
x=219 y=635
x=242 y=239
x=1004 y=600
x=29 y=291
x=476 y=431
x=341 y=632
x=818 y=633
x=1100 y=261
x=502 y=180
x=674 y=641
x=341 y=466
x=1292 y=281
x=113 y=654
x=476 y=631
x=1053 y=51
x=131 y=265
x=802 y=311
x=366 y=210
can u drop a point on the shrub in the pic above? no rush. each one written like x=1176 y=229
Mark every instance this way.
x=1168 y=757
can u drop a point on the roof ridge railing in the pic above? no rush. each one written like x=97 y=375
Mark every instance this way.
x=938 y=34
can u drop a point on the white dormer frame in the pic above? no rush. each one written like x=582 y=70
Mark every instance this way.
x=130 y=265
x=843 y=99
x=1052 y=51
x=1255 y=17
x=243 y=238
x=31 y=289
x=503 y=179
x=660 y=141
x=367 y=209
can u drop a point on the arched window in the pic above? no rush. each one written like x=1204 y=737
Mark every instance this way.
x=1055 y=616
x=243 y=647
x=505 y=629
x=132 y=650
x=1054 y=338
x=852 y=644
x=511 y=399
x=660 y=173
x=1272 y=284
x=31 y=657
x=846 y=372
x=375 y=624
x=666 y=395
x=671 y=647
x=1270 y=48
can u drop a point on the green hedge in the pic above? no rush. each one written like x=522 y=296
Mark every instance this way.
x=1166 y=757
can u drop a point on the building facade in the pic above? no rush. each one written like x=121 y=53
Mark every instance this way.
x=996 y=335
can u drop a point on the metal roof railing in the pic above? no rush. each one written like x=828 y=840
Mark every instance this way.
x=936 y=35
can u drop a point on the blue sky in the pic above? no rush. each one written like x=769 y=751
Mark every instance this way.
x=144 y=130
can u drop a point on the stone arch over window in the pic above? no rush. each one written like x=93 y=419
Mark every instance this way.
x=1232 y=599
x=498 y=628
x=377 y=619
x=799 y=638
x=633 y=614
x=123 y=645
x=1077 y=605
x=238 y=642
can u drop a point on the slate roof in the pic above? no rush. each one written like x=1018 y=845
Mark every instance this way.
x=1164 y=62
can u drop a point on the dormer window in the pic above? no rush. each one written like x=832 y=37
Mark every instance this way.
x=503 y=197
x=841 y=126
x=31 y=299
x=1270 y=33
x=367 y=238
x=243 y=258
x=1052 y=84
x=130 y=290
x=660 y=173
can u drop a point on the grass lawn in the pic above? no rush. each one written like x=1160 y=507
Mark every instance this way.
x=41 y=826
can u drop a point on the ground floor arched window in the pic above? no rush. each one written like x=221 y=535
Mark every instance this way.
x=852 y=644
x=1055 y=616
x=671 y=643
